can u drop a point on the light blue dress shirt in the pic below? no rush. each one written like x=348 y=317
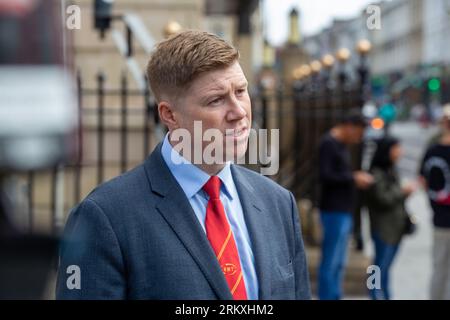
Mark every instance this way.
x=191 y=179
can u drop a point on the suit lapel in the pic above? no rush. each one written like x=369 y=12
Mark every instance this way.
x=258 y=229
x=177 y=211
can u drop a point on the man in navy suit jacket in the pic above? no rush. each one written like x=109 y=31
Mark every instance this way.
x=142 y=235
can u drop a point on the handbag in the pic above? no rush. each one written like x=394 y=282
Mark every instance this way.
x=410 y=224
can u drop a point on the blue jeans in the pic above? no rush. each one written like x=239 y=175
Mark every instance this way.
x=384 y=256
x=336 y=227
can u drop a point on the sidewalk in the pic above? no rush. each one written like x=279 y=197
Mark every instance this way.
x=412 y=269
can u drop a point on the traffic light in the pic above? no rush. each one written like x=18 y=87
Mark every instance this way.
x=434 y=85
x=387 y=112
x=377 y=123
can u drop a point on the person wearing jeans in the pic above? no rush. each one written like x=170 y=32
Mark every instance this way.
x=386 y=204
x=436 y=180
x=384 y=256
x=337 y=228
x=337 y=201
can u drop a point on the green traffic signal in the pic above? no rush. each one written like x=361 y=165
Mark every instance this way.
x=434 y=84
x=387 y=112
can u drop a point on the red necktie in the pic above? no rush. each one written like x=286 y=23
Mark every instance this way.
x=222 y=241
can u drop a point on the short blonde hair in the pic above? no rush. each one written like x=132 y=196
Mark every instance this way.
x=178 y=60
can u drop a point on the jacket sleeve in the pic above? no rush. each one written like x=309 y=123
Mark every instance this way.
x=301 y=274
x=91 y=264
x=385 y=193
x=421 y=171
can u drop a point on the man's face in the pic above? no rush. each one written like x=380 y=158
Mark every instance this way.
x=353 y=133
x=219 y=99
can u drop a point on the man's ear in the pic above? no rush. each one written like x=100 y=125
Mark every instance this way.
x=166 y=114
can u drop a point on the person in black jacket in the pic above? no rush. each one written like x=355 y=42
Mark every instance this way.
x=338 y=183
x=435 y=176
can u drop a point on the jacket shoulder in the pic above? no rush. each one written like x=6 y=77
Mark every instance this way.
x=261 y=182
x=123 y=187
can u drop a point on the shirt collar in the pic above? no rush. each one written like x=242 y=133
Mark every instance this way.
x=190 y=177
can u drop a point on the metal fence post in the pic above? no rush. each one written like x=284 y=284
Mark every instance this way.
x=147 y=112
x=100 y=126
x=30 y=189
x=79 y=149
x=123 y=125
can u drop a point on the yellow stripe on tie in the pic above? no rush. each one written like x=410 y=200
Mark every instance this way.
x=237 y=283
x=224 y=245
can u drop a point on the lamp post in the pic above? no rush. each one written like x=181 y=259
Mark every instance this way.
x=302 y=123
x=171 y=28
x=316 y=68
x=305 y=70
x=363 y=47
x=342 y=55
x=328 y=63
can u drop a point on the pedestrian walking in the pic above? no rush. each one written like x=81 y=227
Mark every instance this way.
x=338 y=183
x=435 y=175
x=385 y=201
